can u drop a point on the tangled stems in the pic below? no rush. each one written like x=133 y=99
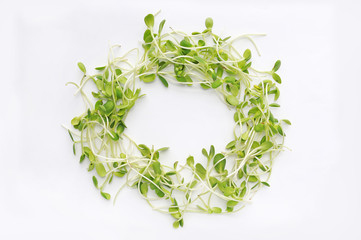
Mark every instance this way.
x=229 y=178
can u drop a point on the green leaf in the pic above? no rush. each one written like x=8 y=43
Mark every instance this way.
x=148 y=78
x=276 y=77
x=253 y=110
x=232 y=203
x=147 y=37
x=109 y=106
x=185 y=43
x=277 y=94
x=161 y=25
x=286 y=121
x=143 y=188
x=228 y=191
x=274 y=105
x=240 y=174
x=100 y=68
x=234 y=90
x=159 y=193
x=252 y=179
x=91 y=167
x=204 y=86
x=216 y=83
x=106 y=74
x=201 y=171
x=213 y=181
x=276 y=66
x=120 y=129
x=162 y=65
x=253 y=164
x=216 y=210
x=82 y=157
x=229 y=209
x=82 y=67
x=113 y=135
x=266 y=145
x=188 y=79
x=192 y=184
x=71 y=136
x=244 y=136
x=75 y=121
x=144 y=150
x=190 y=161
x=247 y=55
x=220 y=71
x=211 y=151
x=99 y=167
x=120 y=174
x=108 y=89
x=156 y=168
x=232 y=100
x=255 y=144
x=223 y=56
x=118 y=72
x=171 y=173
x=176 y=224
x=243 y=192
x=118 y=92
x=280 y=131
x=273 y=129
x=201 y=43
x=266 y=184
x=230 y=79
x=226 y=38
x=181 y=222
x=231 y=145
x=219 y=162
x=259 y=127
x=149 y=20
x=180 y=79
x=209 y=23
x=163 y=149
x=205 y=153
x=88 y=152
x=163 y=80
x=110 y=179
x=236 y=116
x=100 y=84
x=170 y=45
x=95 y=181
x=105 y=195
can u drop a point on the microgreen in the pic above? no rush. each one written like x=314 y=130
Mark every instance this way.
x=82 y=67
x=149 y=20
x=221 y=181
x=209 y=23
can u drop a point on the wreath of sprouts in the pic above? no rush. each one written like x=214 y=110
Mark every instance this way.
x=222 y=182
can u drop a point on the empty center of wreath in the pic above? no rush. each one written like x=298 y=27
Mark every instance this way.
x=183 y=118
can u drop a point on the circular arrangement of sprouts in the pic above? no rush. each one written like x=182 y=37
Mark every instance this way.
x=225 y=180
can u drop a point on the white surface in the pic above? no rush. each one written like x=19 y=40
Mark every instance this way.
x=315 y=188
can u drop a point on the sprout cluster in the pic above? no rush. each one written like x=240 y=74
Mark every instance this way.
x=227 y=179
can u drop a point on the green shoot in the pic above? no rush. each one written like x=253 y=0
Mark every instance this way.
x=232 y=176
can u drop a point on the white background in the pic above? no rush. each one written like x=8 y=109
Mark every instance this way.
x=315 y=188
